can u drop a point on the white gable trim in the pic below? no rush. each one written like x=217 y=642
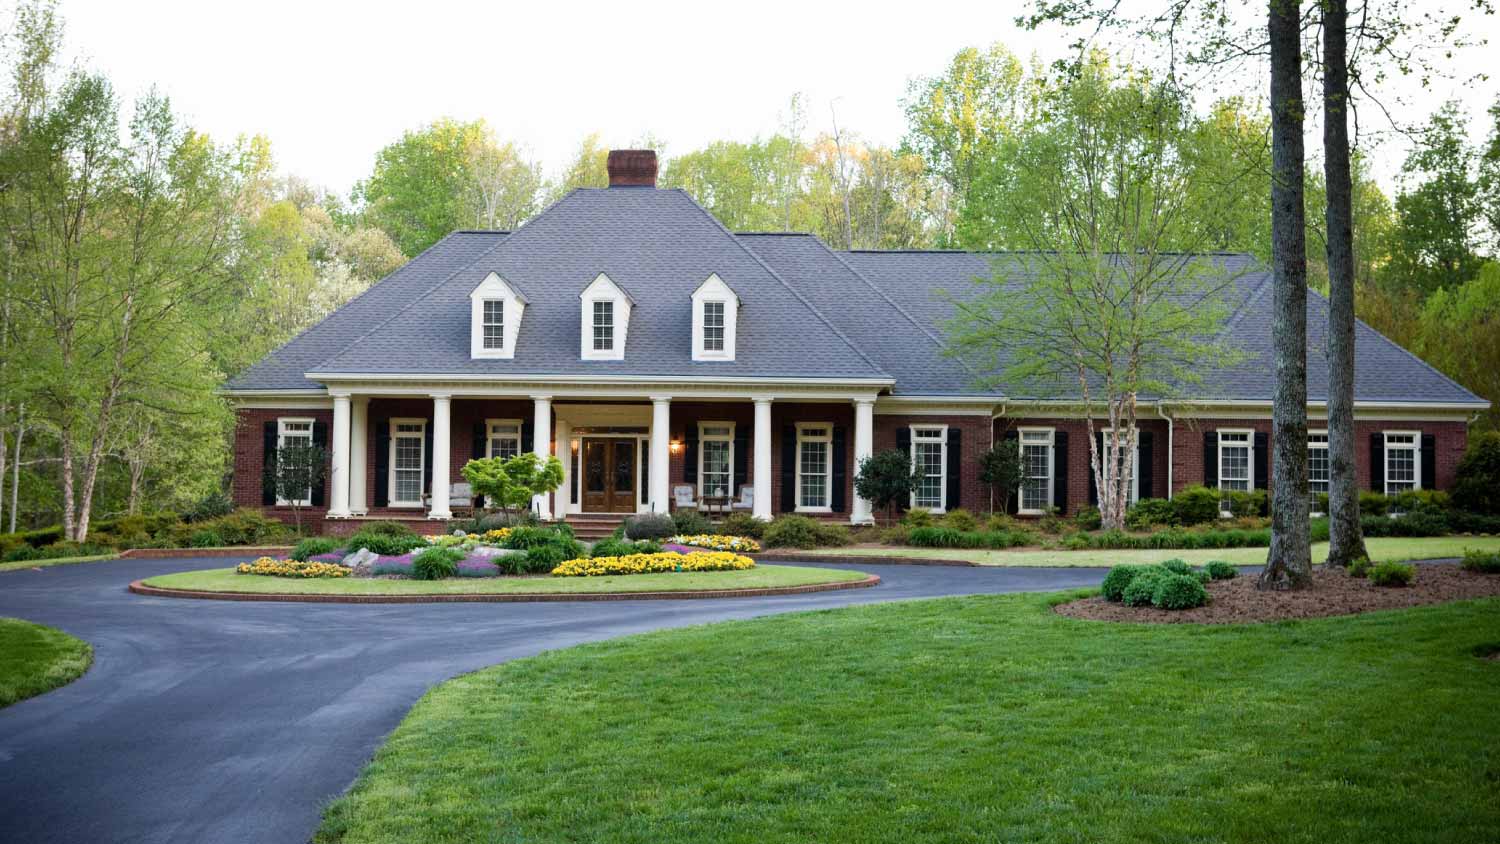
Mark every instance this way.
x=495 y=288
x=603 y=289
x=714 y=290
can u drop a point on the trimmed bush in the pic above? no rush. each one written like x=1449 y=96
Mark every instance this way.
x=690 y=522
x=1485 y=563
x=1141 y=591
x=960 y=519
x=743 y=524
x=1118 y=578
x=436 y=563
x=385 y=544
x=794 y=531
x=1392 y=574
x=312 y=546
x=650 y=526
x=55 y=551
x=1150 y=512
x=387 y=528
x=1176 y=566
x=917 y=517
x=1373 y=503
x=1220 y=570
x=623 y=548
x=1196 y=505
x=1179 y=592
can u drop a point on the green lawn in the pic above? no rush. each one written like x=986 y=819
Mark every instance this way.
x=35 y=659
x=1380 y=550
x=60 y=561
x=969 y=719
x=225 y=580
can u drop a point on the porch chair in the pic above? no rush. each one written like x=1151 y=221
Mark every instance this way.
x=682 y=497
x=747 y=499
x=460 y=498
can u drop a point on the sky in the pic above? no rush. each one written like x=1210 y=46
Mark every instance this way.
x=331 y=83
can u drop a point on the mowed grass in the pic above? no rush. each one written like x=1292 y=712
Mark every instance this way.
x=968 y=719
x=35 y=659
x=762 y=576
x=60 y=561
x=1381 y=550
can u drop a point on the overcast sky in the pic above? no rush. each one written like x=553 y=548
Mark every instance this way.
x=331 y=83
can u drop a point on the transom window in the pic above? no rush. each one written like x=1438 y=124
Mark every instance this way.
x=1317 y=466
x=290 y=433
x=713 y=326
x=814 y=447
x=494 y=324
x=929 y=457
x=716 y=459
x=1036 y=469
x=604 y=326
x=504 y=438
x=1403 y=461
x=407 y=462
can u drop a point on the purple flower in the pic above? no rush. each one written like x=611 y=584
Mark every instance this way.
x=330 y=557
x=681 y=549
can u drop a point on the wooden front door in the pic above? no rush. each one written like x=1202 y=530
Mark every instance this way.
x=609 y=475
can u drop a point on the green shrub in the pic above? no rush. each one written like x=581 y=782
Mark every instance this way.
x=1051 y=523
x=496 y=521
x=943 y=537
x=1178 y=592
x=1220 y=570
x=387 y=528
x=242 y=527
x=1320 y=502
x=1373 y=503
x=1202 y=576
x=210 y=506
x=1088 y=518
x=58 y=550
x=1487 y=563
x=384 y=544
x=650 y=526
x=436 y=563
x=1245 y=504
x=312 y=546
x=917 y=517
x=1176 y=566
x=960 y=519
x=621 y=548
x=524 y=538
x=1476 y=486
x=690 y=522
x=1392 y=574
x=1196 y=505
x=1141 y=591
x=1004 y=521
x=794 y=531
x=1360 y=567
x=1150 y=512
x=206 y=538
x=1118 y=578
x=544 y=558
x=743 y=524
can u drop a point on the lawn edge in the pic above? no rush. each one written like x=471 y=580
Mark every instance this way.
x=859 y=559
x=192 y=553
x=140 y=587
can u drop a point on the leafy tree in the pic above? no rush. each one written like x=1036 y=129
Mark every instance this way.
x=1001 y=470
x=511 y=483
x=1458 y=331
x=1439 y=210
x=1477 y=487
x=589 y=168
x=887 y=480
x=297 y=469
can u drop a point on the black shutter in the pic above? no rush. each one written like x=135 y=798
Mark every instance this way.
x=1144 y=468
x=268 y=464
x=955 y=469
x=741 y=458
x=1429 y=461
x=320 y=438
x=527 y=440
x=427 y=457
x=840 y=466
x=481 y=437
x=1094 y=482
x=1011 y=440
x=1060 y=471
x=1262 y=453
x=903 y=440
x=788 y=468
x=1211 y=459
x=1377 y=462
x=690 y=455
x=382 y=462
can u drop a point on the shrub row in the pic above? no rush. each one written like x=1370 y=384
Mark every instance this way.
x=947 y=537
x=1483 y=562
x=1171 y=585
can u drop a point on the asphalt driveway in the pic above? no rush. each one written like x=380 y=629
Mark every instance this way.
x=219 y=721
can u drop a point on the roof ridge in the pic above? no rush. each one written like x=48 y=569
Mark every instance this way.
x=790 y=289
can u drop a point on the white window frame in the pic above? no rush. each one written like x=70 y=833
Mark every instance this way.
x=421 y=436
x=490 y=435
x=931 y=434
x=1312 y=494
x=703 y=439
x=1415 y=447
x=281 y=435
x=826 y=438
x=1249 y=444
x=713 y=289
x=603 y=289
x=1051 y=445
x=1135 y=463
x=513 y=304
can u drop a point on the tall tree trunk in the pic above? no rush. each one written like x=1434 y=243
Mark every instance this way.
x=15 y=481
x=1346 y=540
x=1289 y=562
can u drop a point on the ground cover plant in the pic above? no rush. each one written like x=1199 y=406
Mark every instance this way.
x=1144 y=733
x=35 y=659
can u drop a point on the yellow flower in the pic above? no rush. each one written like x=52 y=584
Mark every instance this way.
x=666 y=561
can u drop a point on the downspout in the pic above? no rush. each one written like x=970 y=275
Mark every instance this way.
x=1161 y=411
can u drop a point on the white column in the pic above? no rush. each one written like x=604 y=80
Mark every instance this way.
x=864 y=447
x=661 y=435
x=442 y=430
x=761 y=508
x=562 y=435
x=359 y=442
x=338 y=483
x=541 y=442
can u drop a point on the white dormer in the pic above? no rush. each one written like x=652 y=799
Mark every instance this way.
x=605 y=316
x=495 y=310
x=716 y=311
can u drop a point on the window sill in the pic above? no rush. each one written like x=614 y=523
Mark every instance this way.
x=406 y=505
x=814 y=510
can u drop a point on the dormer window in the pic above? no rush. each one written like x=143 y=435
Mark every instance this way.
x=715 y=315
x=495 y=310
x=605 y=317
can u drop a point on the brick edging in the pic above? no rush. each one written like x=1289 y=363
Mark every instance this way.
x=856 y=559
x=190 y=553
x=140 y=588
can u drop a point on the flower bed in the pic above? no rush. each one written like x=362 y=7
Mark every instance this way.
x=474 y=565
x=717 y=542
x=667 y=561
x=292 y=568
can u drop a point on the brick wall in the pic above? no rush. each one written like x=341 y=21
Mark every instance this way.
x=249 y=462
x=1079 y=468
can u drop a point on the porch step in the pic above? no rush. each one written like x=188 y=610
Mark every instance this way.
x=594 y=526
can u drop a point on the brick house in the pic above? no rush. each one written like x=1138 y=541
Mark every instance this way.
x=670 y=362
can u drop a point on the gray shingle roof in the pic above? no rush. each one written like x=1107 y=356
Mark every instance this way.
x=806 y=310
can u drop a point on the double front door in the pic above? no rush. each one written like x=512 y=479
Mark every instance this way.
x=609 y=474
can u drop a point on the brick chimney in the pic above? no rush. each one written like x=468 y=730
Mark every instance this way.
x=632 y=167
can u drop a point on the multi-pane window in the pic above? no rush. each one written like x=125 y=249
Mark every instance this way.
x=406 y=462
x=1403 y=470
x=1317 y=465
x=494 y=324
x=814 y=444
x=289 y=433
x=716 y=459
x=713 y=326
x=929 y=447
x=604 y=326
x=504 y=438
x=1036 y=470
x=1236 y=456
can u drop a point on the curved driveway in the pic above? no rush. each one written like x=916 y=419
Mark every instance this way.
x=219 y=721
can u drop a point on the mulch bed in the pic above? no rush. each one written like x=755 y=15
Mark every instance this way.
x=1237 y=601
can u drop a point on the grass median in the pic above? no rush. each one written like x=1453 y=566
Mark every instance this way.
x=35 y=659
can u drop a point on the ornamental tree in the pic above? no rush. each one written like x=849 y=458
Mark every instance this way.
x=886 y=480
x=511 y=483
x=1000 y=470
x=297 y=469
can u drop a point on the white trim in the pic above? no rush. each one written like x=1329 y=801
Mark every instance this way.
x=1249 y=445
x=495 y=289
x=390 y=488
x=1051 y=444
x=645 y=381
x=713 y=290
x=281 y=433
x=942 y=439
x=1313 y=495
x=490 y=437
x=1385 y=455
x=826 y=438
x=603 y=290
x=704 y=438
